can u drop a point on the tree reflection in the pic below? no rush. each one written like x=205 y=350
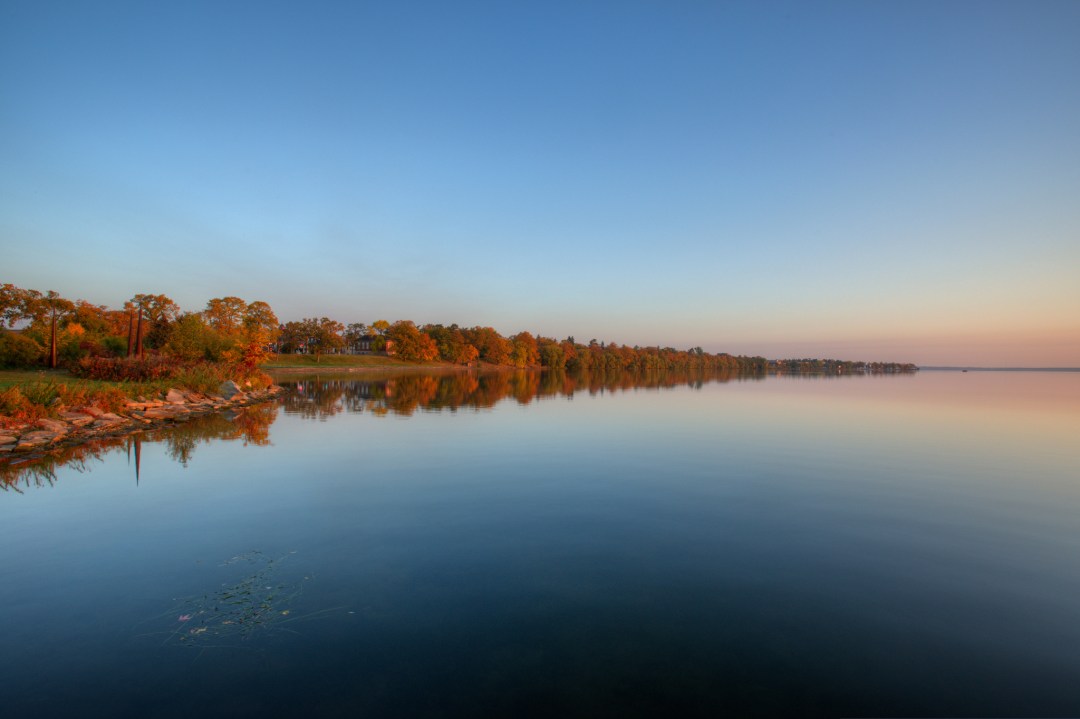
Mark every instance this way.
x=250 y=425
x=320 y=397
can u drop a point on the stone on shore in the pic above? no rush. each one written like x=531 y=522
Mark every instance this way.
x=51 y=425
x=35 y=439
x=21 y=443
x=228 y=389
x=76 y=418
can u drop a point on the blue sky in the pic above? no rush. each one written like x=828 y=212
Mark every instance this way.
x=863 y=180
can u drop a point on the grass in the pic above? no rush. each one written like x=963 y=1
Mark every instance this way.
x=20 y=377
x=28 y=395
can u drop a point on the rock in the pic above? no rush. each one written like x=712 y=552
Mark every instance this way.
x=175 y=396
x=51 y=425
x=143 y=404
x=34 y=439
x=92 y=411
x=228 y=389
x=8 y=439
x=5 y=448
x=110 y=417
x=76 y=418
x=168 y=412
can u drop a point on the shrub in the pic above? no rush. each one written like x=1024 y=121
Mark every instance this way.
x=191 y=339
x=128 y=369
x=110 y=399
x=19 y=351
x=15 y=405
x=41 y=393
x=204 y=377
x=114 y=347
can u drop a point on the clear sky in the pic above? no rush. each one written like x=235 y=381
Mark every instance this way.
x=864 y=180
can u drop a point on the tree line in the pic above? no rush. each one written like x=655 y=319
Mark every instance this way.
x=59 y=331
x=469 y=345
x=838 y=367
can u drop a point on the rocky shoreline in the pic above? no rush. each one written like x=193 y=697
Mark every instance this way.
x=79 y=425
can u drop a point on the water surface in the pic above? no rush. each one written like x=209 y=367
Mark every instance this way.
x=512 y=544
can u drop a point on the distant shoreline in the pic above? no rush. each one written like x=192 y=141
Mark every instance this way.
x=1002 y=369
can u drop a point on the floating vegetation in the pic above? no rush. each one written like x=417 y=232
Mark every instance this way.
x=260 y=601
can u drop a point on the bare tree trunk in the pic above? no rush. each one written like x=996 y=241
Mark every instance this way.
x=52 y=342
x=131 y=333
x=138 y=336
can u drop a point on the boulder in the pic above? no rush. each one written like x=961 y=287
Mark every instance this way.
x=175 y=396
x=228 y=389
x=142 y=404
x=51 y=425
x=35 y=439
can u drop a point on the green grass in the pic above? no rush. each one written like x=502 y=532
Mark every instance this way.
x=35 y=378
x=29 y=394
x=13 y=377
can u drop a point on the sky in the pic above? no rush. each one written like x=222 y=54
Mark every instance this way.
x=863 y=180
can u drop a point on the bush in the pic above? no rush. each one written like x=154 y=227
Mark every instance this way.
x=14 y=404
x=191 y=339
x=114 y=347
x=19 y=351
x=128 y=369
x=41 y=393
x=204 y=377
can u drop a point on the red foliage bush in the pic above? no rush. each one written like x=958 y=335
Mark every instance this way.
x=128 y=369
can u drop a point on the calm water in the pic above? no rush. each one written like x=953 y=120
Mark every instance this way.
x=459 y=546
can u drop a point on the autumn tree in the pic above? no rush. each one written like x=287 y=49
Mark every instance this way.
x=451 y=343
x=191 y=338
x=14 y=304
x=294 y=336
x=525 y=352
x=155 y=314
x=323 y=335
x=410 y=343
x=225 y=315
x=492 y=346
x=354 y=333
x=258 y=315
x=92 y=318
x=47 y=310
x=551 y=353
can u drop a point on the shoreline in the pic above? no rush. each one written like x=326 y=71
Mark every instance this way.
x=81 y=425
x=374 y=369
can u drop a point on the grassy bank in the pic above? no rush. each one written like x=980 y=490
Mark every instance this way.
x=28 y=395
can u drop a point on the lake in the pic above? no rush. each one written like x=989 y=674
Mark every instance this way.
x=518 y=544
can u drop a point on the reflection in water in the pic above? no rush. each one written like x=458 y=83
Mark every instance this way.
x=320 y=397
x=249 y=424
x=879 y=546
